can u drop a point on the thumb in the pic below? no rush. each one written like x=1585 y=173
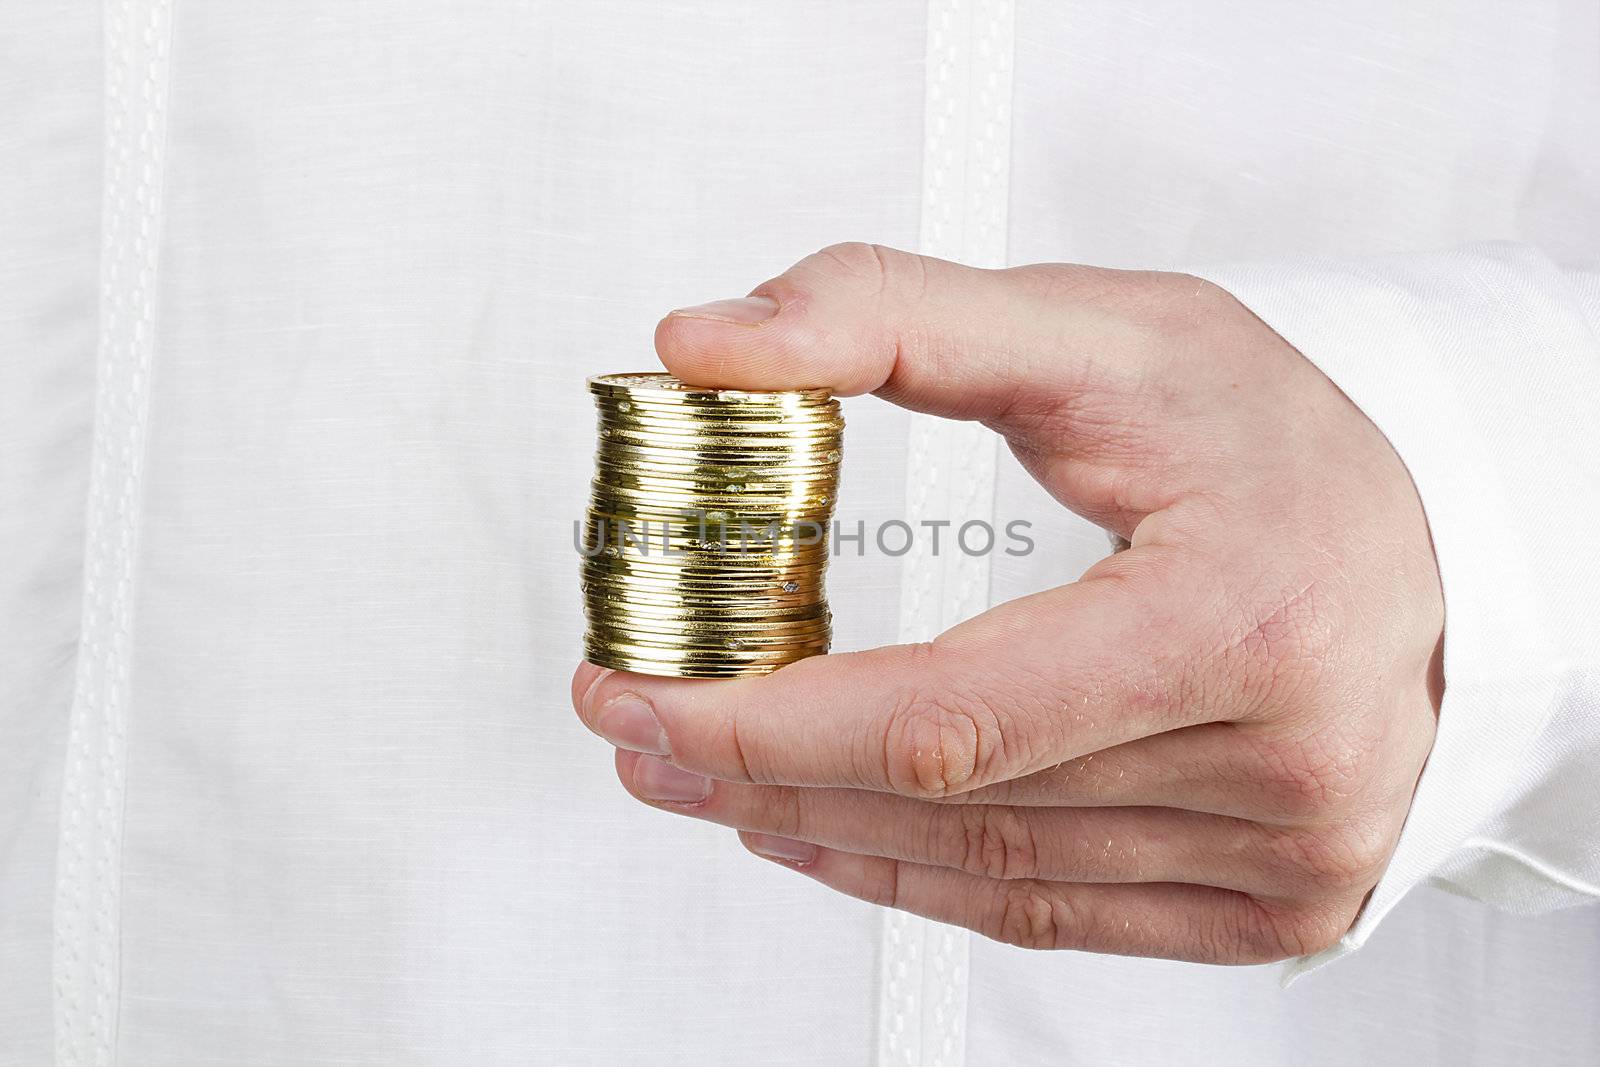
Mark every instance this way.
x=924 y=333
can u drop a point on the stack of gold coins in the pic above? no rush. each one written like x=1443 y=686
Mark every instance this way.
x=706 y=539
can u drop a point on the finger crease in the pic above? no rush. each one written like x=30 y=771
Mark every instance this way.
x=738 y=746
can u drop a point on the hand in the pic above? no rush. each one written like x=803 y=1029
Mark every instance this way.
x=1204 y=748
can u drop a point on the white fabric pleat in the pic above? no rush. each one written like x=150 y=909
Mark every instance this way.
x=88 y=869
x=951 y=465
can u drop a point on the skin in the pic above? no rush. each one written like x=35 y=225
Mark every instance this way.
x=1204 y=748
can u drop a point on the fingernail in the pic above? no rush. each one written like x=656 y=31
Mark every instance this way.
x=746 y=309
x=628 y=721
x=659 y=780
x=782 y=849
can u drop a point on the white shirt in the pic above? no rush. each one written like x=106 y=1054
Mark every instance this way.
x=298 y=302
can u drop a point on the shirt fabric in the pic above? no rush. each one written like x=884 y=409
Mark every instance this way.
x=297 y=304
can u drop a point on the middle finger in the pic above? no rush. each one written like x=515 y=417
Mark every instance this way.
x=1114 y=844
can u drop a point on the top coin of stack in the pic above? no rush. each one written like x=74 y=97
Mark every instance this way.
x=706 y=538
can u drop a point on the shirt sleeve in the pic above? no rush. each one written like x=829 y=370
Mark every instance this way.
x=1482 y=367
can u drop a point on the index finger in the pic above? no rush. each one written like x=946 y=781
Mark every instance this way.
x=924 y=333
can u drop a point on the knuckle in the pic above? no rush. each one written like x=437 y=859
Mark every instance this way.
x=1232 y=935
x=1282 y=643
x=782 y=812
x=856 y=258
x=884 y=890
x=1297 y=791
x=994 y=842
x=1250 y=933
x=1312 y=778
x=1029 y=914
x=938 y=745
x=748 y=763
x=1284 y=933
x=1325 y=859
x=874 y=267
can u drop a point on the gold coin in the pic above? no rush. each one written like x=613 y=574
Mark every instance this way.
x=705 y=543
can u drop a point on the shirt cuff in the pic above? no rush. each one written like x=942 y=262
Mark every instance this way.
x=1482 y=368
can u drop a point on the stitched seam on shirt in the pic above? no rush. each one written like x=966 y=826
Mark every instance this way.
x=87 y=950
x=950 y=466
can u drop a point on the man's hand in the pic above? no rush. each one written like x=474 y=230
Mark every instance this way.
x=1204 y=748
